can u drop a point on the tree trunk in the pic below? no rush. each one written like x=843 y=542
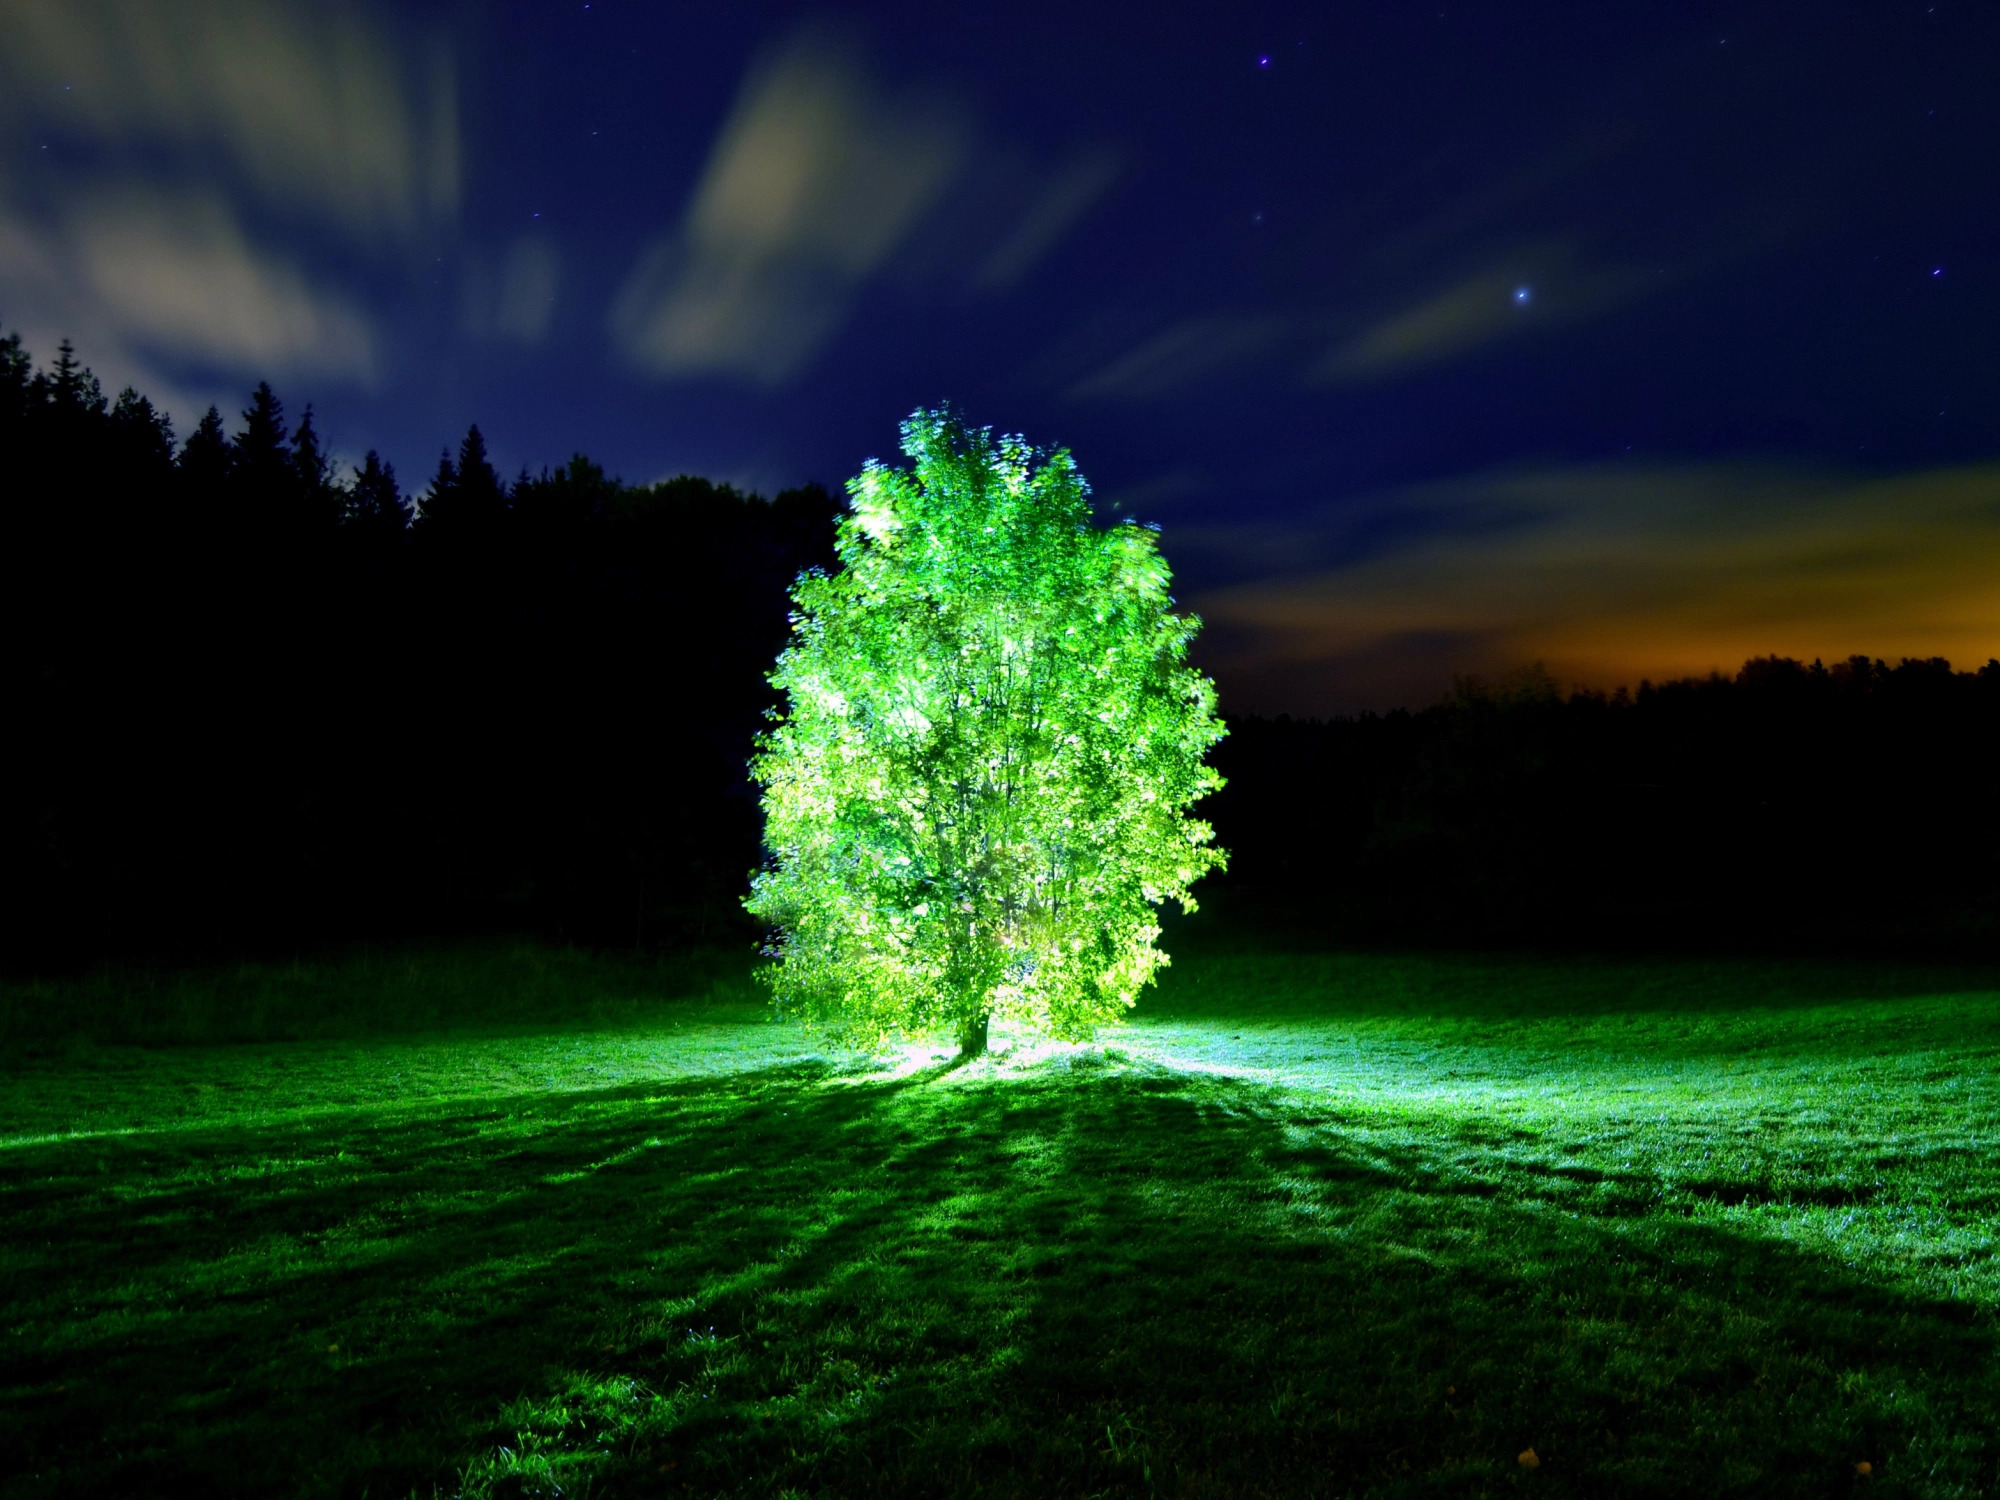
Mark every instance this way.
x=972 y=1037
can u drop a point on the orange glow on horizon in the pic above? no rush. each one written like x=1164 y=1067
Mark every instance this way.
x=1614 y=574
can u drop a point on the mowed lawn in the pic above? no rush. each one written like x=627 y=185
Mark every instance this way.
x=1315 y=1224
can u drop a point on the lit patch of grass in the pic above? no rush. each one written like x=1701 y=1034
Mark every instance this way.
x=1314 y=1225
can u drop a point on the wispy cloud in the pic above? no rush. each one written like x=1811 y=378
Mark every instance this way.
x=1613 y=573
x=1070 y=192
x=179 y=275
x=131 y=272
x=1517 y=293
x=1187 y=351
x=818 y=176
x=312 y=109
x=1146 y=499
x=1356 y=298
x=25 y=256
x=1507 y=295
x=207 y=161
x=515 y=300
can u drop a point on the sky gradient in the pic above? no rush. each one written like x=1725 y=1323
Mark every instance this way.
x=1637 y=340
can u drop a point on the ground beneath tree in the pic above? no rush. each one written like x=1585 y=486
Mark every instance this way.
x=1315 y=1224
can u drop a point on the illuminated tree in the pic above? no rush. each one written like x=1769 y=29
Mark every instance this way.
x=977 y=795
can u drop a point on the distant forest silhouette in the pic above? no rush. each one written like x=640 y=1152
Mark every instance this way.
x=1792 y=806
x=252 y=703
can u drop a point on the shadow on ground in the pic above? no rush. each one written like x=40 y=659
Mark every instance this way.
x=1088 y=1279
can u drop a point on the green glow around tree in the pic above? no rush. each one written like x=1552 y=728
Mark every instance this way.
x=977 y=795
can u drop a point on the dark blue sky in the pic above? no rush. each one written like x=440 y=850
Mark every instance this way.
x=1635 y=339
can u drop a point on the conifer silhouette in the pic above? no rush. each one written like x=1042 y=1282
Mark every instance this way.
x=142 y=434
x=318 y=502
x=17 y=373
x=205 y=457
x=72 y=389
x=260 y=466
x=374 y=502
x=439 y=500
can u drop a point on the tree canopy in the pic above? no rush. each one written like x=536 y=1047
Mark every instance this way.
x=977 y=796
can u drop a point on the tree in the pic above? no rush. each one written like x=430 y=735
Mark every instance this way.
x=205 y=458
x=466 y=498
x=17 y=374
x=437 y=501
x=73 y=390
x=259 y=456
x=143 y=434
x=977 y=795
x=316 y=498
x=374 y=502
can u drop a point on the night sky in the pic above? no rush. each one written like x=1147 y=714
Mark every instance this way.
x=1635 y=339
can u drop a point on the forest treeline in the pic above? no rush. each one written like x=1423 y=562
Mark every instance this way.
x=1792 y=806
x=252 y=702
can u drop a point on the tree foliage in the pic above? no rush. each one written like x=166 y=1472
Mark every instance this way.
x=978 y=794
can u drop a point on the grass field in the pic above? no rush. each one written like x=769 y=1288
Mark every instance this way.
x=1316 y=1224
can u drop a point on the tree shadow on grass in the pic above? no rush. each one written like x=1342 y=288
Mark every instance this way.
x=1076 y=1280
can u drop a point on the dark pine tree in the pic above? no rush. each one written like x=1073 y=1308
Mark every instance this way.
x=441 y=498
x=261 y=478
x=135 y=506
x=478 y=484
x=142 y=435
x=317 y=499
x=204 y=472
x=17 y=378
x=374 y=502
x=467 y=500
x=72 y=389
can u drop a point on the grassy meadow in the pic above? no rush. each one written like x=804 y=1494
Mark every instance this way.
x=516 y=1221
